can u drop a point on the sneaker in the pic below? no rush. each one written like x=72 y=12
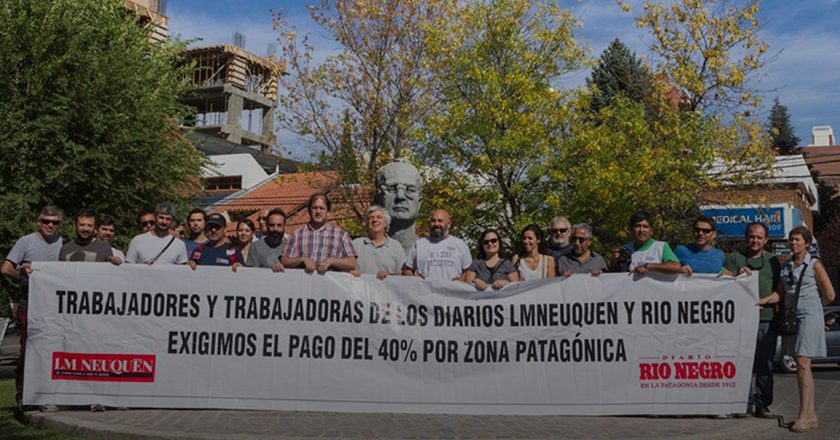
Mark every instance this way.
x=741 y=415
x=48 y=408
x=764 y=412
x=97 y=407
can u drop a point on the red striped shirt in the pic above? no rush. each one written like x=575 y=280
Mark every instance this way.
x=328 y=242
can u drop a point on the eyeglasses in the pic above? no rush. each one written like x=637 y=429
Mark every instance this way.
x=49 y=222
x=703 y=230
x=491 y=241
x=147 y=223
x=558 y=230
x=579 y=239
x=213 y=226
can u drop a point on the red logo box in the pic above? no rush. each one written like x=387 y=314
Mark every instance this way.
x=103 y=367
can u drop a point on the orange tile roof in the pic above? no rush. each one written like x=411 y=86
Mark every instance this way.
x=290 y=192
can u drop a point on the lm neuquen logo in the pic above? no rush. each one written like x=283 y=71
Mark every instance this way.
x=103 y=367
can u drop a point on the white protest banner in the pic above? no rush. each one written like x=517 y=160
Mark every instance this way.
x=165 y=336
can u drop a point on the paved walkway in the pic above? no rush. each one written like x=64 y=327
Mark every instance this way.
x=218 y=424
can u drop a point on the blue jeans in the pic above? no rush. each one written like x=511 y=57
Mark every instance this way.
x=765 y=350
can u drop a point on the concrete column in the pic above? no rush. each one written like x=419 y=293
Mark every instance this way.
x=235 y=104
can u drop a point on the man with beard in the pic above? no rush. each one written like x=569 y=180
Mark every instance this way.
x=106 y=227
x=378 y=253
x=558 y=240
x=195 y=224
x=398 y=185
x=582 y=259
x=648 y=254
x=42 y=245
x=320 y=246
x=439 y=256
x=267 y=252
x=86 y=247
x=218 y=251
x=157 y=245
x=701 y=256
x=754 y=258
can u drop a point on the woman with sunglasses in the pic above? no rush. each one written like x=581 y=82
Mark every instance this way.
x=245 y=236
x=532 y=261
x=807 y=275
x=490 y=268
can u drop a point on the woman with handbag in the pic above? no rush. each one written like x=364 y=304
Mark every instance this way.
x=803 y=279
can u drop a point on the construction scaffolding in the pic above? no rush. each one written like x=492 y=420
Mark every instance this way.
x=236 y=94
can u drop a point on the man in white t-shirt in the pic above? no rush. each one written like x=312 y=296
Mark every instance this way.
x=158 y=246
x=439 y=256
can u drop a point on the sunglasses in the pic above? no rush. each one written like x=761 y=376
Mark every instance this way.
x=491 y=241
x=213 y=226
x=49 y=222
x=147 y=223
x=580 y=239
x=703 y=230
x=558 y=230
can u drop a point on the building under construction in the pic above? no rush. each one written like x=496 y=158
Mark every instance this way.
x=235 y=96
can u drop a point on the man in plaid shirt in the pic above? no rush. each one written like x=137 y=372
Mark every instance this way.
x=320 y=246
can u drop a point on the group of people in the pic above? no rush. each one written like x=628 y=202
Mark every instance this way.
x=322 y=246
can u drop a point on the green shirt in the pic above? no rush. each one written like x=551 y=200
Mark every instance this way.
x=668 y=256
x=768 y=267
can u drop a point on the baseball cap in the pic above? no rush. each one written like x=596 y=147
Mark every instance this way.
x=216 y=219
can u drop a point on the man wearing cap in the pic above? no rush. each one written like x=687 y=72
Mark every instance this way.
x=320 y=246
x=218 y=251
x=158 y=246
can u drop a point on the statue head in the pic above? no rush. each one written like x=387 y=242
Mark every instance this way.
x=398 y=185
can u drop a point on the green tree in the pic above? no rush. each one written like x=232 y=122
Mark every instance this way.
x=621 y=160
x=782 y=134
x=493 y=66
x=619 y=72
x=87 y=118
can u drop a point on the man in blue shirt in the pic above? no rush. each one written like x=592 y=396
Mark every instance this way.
x=218 y=251
x=701 y=256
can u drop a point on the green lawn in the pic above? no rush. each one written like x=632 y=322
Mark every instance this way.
x=11 y=428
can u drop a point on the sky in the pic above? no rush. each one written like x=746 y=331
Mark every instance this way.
x=806 y=35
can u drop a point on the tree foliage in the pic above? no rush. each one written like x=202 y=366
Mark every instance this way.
x=619 y=71
x=711 y=53
x=493 y=65
x=622 y=160
x=783 y=136
x=87 y=118
x=711 y=49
